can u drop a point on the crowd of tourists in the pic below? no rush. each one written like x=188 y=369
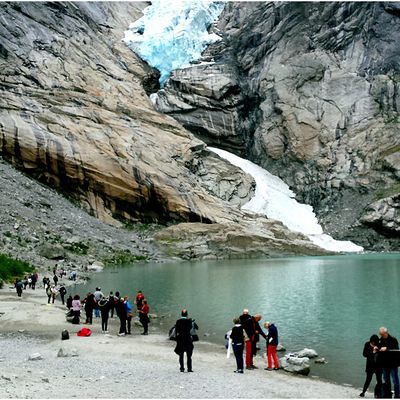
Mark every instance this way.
x=103 y=306
x=383 y=359
x=243 y=339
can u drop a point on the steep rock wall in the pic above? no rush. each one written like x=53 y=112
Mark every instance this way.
x=311 y=92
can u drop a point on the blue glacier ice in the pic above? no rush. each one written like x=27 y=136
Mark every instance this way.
x=171 y=33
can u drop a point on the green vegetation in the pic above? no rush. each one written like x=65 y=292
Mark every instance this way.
x=387 y=192
x=11 y=269
x=120 y=257
x=78 y=248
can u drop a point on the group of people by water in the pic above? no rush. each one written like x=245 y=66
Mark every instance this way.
x=105 y=306
x=383 y=359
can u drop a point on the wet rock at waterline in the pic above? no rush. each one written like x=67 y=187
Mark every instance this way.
x=295 y=365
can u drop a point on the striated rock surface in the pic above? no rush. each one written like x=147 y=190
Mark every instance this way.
x=309 y=91
x=75 y=115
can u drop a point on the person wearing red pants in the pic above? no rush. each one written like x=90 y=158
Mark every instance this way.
x=272 y=344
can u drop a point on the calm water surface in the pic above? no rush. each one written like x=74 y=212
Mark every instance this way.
x=331 y=304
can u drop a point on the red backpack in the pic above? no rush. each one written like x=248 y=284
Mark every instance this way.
x=84 y=332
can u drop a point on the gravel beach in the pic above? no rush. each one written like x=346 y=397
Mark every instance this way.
x=108 y=366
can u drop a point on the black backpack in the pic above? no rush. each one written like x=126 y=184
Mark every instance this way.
x=64 y=335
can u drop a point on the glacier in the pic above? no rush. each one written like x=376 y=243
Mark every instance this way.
x=171 y=34
x=274 y=199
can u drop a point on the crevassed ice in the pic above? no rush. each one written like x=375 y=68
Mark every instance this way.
x=171 y=33
x=274 y=199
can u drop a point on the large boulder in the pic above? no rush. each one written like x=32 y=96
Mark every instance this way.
x=307 y=353
x=52 y=251
x=295 y=365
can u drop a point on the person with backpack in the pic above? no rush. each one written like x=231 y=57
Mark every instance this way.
x=63 y=292
x=272 y=345
x=237 y=336
x=144 y=317
x=129 y=315
x=104 y=307
x=371 y=353
x=184 y=341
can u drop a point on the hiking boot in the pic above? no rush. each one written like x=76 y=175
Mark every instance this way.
x=182 y=370
x=254 y=367
x=249 y=367
x=362 y=394
x=268 y=369
x=121 y=334
x=190 y=370
x=240 y=371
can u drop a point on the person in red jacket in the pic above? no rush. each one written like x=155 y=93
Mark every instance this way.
x=144 y=317
x=139 y=299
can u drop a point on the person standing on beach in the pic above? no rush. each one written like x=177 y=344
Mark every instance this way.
x=246 y=322
x=62 y=292
x=139 y=299
x=184 y=342
x=104 y=306
x=111 y=302
x=76 y=309
x=272 y=344
x=69 y=302
x=144 y=317
x=35 y=277
x=98 y=295
x=129 y=315
x=121 y=312
x=89 y=307
x=55 y=279
x=238 y=340
x=371 y=353
x=388 y=352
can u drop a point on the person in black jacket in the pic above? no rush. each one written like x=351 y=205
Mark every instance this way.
x=184 y=342
x=389 y=358
x=62 y=292
x=121 y=312
x=371 y=353
x=237 y=337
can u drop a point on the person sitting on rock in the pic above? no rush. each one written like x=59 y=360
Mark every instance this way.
x=272 y=344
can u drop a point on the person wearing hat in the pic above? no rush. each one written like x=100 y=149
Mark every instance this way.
x=272 y=344
x=184 y=342
x=371 y=353
x=237 y=337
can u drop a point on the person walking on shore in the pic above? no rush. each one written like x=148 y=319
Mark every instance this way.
x=34 y=277
x=49 y=293
x=55 y=279
x=389 y=358
x=237 y=337
x=184 y=342
x=18 y=287
x=121 y=312
x=144 y=317
x=98 y=295
x=272 y=344
x=76 y=309
x=129 y=315
x=371 y=353
x=62 y=292
x=104 y=306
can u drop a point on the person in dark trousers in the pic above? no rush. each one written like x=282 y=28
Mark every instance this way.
x=371 y=353
x=144 y=317
x=62 y=292
x=111 y=304
x=90 y=303
x=184 y=342
x=388 y=356
x=129 y=314
x=272 y=344
x=69 y=302
x=237 y=337
x=76 y=309
x=25 y=282
x=55 y=279
x=19 y=286
x=104 y=307
x=121 y=312
x=34 y=278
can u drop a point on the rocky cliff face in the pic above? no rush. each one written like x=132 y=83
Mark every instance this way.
x=311 y=92
x=74 y=114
